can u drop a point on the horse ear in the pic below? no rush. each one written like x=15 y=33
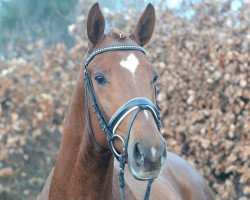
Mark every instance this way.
x=146 y=25
x=95 y=24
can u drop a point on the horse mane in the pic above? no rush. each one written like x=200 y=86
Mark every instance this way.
x=117 y=34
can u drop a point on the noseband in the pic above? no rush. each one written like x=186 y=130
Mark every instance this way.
x=109 y=127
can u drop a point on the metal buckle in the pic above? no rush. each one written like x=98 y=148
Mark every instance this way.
x=111 y=143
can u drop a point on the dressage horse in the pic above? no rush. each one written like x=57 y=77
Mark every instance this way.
x=112 y=147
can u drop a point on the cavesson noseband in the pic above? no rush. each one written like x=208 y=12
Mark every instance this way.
x=109 y=127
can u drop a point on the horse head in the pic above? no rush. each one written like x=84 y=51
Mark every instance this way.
x=117 y=77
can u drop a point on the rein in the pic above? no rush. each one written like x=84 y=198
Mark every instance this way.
x=109 y=127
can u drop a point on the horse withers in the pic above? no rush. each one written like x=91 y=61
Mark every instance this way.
x=114 y=114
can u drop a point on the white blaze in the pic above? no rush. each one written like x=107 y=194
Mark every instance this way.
x=131 y=63
x=153 y=151
x=145 y=112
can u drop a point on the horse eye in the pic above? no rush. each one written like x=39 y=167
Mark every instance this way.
x=100 y=79
x=155 y=78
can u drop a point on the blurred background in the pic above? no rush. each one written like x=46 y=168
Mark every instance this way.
x=201 y=50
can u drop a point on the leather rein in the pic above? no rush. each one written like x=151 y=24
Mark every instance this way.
x=109 y=127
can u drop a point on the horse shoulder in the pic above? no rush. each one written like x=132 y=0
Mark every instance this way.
x=44 y=195
x=187 y=180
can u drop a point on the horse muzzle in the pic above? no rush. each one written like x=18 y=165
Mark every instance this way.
x=145 y=161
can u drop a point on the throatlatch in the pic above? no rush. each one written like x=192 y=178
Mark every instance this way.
x=109 y=127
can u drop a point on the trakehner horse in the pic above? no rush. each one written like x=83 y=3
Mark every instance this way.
x=119 y=82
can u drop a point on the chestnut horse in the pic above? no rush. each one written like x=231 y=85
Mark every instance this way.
x=119 y=81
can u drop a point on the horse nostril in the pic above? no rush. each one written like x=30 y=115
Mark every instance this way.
x=138 y=156
x=164 y=156
x=165 y=153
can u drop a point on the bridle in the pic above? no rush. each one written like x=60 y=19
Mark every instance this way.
x=109 y=127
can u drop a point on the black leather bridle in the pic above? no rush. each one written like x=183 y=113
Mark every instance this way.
x=109 y=127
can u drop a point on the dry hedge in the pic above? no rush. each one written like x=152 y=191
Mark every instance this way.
x=204 y=67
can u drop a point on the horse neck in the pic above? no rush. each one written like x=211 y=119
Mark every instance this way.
x=81 y=170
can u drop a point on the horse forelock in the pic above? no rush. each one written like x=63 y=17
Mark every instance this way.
x=117 y=34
